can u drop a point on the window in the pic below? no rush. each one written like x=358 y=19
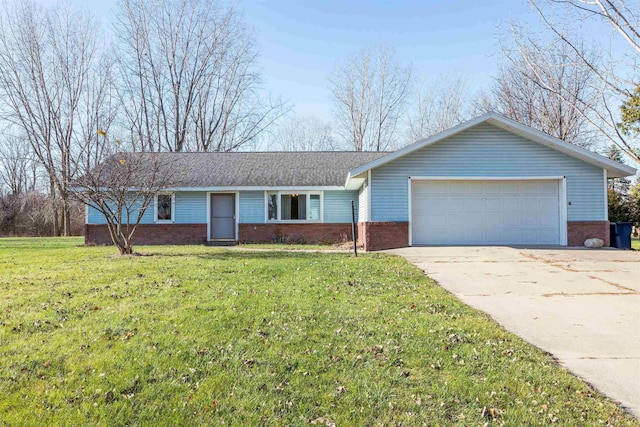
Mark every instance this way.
x=293 y=206
x=164 y=208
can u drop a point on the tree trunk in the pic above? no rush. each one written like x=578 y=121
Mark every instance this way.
x=54 y=208
x=125 y=249
x=66 y=217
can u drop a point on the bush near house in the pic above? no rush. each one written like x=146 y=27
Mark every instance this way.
x=197 y=335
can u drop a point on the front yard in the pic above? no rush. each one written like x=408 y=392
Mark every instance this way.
x=197 y=335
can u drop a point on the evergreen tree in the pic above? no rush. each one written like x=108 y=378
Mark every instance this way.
x=630 y=111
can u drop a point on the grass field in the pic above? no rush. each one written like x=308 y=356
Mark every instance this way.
x=197 y=335
x=635 y=244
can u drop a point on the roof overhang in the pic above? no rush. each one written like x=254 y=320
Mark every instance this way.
x=613 y=168
x=355 y=182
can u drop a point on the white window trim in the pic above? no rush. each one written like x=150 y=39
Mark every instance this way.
x=173 y=209
x=293 y=221
x=606 y=195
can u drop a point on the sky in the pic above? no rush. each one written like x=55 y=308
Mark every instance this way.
x=300 y=42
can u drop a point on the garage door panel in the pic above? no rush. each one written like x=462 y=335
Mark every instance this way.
x=547 y=234
x=434 y=221
x=493 y=204
x=512 y=204
x=512 y=235
x=456 y=204
x=529 y=188
x=547 y=187
x=485 y=212
x=492 y=188
x=492 y=221
x=471 y=203
x=529 y=204
x=512 y=221
x=547 y=204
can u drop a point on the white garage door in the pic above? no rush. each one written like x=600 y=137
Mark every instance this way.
x=485 y=212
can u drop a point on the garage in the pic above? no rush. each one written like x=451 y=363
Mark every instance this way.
x=487 y=211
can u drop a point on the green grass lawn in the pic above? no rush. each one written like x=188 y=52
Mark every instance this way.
x=635 y=244
x=196 y=335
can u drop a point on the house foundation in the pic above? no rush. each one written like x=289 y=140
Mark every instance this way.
x=579 y=231
x=151 y=234
x=294 y=233
x=376 y=236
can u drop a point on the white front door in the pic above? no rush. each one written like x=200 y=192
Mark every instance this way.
x=499 y=212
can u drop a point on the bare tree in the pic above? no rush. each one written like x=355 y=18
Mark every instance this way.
x=543 y=86
x=189 y=76
x=617 y=78
x=48 y=73
x=17 y=168
x=306 y=133
x=122 y=187
x=439 y=105
x=369 y=92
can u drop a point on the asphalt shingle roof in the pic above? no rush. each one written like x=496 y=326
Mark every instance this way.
x=259 y=169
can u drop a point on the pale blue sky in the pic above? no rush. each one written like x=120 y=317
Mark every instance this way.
x=300 y=41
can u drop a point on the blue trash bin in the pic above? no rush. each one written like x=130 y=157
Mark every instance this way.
x=623 y=231
x=614 y=235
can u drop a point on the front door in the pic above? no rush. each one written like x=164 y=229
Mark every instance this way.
x=223 y=216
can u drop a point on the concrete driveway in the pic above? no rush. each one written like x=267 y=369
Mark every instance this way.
x=582 y=306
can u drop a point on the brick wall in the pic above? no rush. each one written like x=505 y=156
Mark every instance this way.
x=294 y=233
x=152 y=234
x=579 y=231
x=377 y=236
x=362 y=234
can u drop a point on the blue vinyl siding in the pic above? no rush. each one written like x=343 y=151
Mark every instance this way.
x=252 y=207
x=337 y=206
x=191 y=207
x=96 y=217
x=487 y=150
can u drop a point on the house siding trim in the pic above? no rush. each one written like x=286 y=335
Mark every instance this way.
x=368 y=217
x=606 y=194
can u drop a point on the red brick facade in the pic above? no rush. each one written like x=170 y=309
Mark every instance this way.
x=579 y=231
x=375 y=236
x=372 y=236
x=152 y=234
x=294 y=233
x=194 y=234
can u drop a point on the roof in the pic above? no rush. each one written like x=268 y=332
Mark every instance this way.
x=614 y=169
x=265 y=169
